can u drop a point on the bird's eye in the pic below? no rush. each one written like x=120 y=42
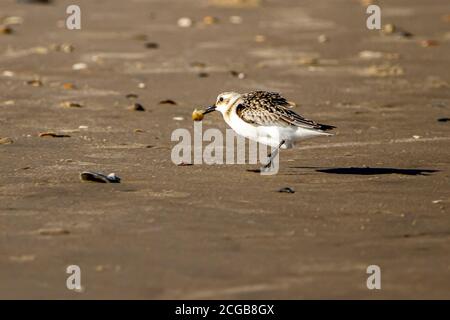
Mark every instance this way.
x=221 y=99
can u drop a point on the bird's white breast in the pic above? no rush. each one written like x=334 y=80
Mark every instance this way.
x=268 y=135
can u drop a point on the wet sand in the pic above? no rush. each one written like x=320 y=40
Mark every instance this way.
x=376 y=193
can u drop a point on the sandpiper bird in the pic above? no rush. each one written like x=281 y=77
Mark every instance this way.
x=265 y=117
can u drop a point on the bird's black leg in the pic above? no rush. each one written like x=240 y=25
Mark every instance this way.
x=273 y=154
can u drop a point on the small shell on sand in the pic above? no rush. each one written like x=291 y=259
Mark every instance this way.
x=99 y=177
x=53 y=231
x=235 y=3
x=184 y=164
x=53 y=135
x=136 y=107
x=167 y=101
x=70 y=104
x=13 y=20
x=308 y=61
x=210 y=20
x=237 y=74
x=132 y=96
x=429 y=43
x=69 y=86
x=6 y=140
x=22 y=258
x=197 y=115
x=286 y=190
x=64 y=47
x=34 y=83
x=236 y=19
x=6 y=29
x=79 y=66
x=378 y=55
x=184 y=22
x=8 y=73
x=384 y=70
x=152 y=45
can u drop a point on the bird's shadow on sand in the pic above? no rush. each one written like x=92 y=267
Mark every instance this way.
x=372 y=171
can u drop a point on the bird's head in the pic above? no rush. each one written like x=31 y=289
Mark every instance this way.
x=225 y=101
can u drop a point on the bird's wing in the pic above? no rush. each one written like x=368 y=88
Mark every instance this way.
x=263 y=108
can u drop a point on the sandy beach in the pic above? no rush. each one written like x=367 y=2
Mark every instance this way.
x=375 y=193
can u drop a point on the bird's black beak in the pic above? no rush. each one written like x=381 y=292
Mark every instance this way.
x=209 y=109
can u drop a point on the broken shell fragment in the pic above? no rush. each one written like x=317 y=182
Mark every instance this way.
x=405 y=34
x=6 y=29
x=286 y=190
x=366 y=3
x=99 y=177
x=79 y=66
x=184 y=164
x=210 y=20
x=152 y=45
x=6 y=140
x=197 y=115
x=53 y=135
x=113 y=178
x=235 y=3
x=308 y=61
x=168 y=101
x=8 y=73
x=384 y=70
x=35 y=1
x=53 y=231
x=70 y=104
x=34 y=83
x=22 y=258
x=429 y=43
x=136 y=107
x=184 y=22
x=40 y=50
x=366 y=54
x=64 y=47
x=69 y=86
x=239 y=75
x=13 y=20
x=198 y=64
x=236 y=19
x=132 y=96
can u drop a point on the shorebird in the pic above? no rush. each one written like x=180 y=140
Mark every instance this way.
x=266 y=117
